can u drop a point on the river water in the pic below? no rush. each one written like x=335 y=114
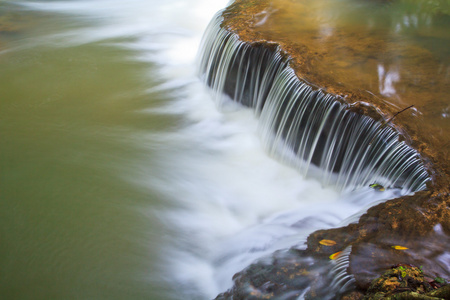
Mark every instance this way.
x=119 y=176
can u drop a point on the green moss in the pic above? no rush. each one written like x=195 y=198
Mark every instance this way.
x=406 y=282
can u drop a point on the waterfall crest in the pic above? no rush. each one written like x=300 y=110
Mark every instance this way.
x=302 y=126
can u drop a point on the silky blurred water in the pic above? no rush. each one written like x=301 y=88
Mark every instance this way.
x=119 y=177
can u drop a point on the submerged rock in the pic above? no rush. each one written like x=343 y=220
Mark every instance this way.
x=291 y=274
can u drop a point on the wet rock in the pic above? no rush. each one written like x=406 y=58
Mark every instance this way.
x=406 y=282
x=353 y=295
x=288 y=274
x=407 y=222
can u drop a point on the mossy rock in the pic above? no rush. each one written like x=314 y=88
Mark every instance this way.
x=407 y=282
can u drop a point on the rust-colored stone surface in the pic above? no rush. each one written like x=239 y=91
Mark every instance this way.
x=420 y=223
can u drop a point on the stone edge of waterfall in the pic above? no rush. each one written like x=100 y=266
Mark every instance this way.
x=346 y=142
x=240 y=16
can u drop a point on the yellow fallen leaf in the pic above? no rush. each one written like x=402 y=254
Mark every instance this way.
x=327 y=242
x=377 y=187
x=400 y=248
x=335 y=255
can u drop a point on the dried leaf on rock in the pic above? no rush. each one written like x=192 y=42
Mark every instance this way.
x=327 y=242
x=400 y=248
x=335 y=255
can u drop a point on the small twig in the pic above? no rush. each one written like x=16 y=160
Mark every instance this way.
x=396 y=114
x=388 y=121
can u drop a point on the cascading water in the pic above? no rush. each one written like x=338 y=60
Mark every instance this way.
x=110 y=153
x=301 y=125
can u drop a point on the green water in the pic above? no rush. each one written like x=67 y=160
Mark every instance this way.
x=73 y=223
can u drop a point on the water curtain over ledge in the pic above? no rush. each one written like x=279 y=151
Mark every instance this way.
x=303 y=126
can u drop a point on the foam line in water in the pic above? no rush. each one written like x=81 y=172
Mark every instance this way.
x=302 y=126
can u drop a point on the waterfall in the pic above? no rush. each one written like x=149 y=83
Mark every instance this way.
x=301 y=125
